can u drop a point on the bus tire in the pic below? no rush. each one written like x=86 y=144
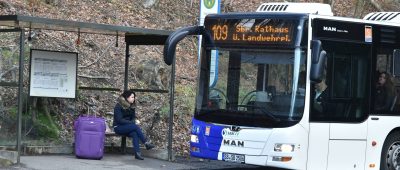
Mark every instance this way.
x=390 y=158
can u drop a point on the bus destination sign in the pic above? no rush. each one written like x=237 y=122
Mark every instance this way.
x=250 y=32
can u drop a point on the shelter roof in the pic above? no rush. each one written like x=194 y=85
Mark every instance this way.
x=30 y=22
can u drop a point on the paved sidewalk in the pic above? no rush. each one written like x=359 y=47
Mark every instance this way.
x=109 y=161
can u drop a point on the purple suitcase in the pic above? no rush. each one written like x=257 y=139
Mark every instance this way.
x=89 y=137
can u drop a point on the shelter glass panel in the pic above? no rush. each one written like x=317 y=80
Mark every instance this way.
x=9 y=66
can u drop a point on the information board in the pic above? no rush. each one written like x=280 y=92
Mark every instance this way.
x=53 y=74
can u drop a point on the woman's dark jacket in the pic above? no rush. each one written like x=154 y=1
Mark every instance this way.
x=384 y=98
x=124 y=113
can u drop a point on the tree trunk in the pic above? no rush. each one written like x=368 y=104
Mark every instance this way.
x=156 y=119
x=359 y=8
x=376 y=5
x=34 y=109
x=46 y=109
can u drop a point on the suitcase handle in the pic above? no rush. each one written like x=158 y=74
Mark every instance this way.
x=90 y=105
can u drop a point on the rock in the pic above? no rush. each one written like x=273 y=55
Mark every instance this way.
x=7 y=158
x=149 y=3
x=5 y=163
x=6 y=5
x=153 y=73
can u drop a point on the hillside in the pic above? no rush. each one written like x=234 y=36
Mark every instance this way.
x=101 y=63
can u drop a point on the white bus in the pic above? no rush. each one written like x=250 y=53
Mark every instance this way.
x=298 y=88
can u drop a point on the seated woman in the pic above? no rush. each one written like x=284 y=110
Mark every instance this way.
x=124 y=122
x=385 y=92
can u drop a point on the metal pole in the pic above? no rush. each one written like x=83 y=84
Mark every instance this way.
x=126 y=67
x=171 y=110
x=123 y=140
x=20 y=91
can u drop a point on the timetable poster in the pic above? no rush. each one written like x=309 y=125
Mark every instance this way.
x=53 y=74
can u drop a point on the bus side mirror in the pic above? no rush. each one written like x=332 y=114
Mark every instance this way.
x=396 y=62
x=174 y=38
x=318 y=58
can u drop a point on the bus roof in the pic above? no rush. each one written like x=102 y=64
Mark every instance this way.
x=255 y=15
x=300 y=15
x=348 y=19
x=307 y=8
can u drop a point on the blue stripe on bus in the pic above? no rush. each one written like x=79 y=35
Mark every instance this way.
x=209 y=144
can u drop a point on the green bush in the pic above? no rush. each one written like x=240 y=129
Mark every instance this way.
x=44 y=128
x=164 y=110
x=186 y=98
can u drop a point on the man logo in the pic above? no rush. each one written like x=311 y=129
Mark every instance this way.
x=209 y=3
x=227 y=132
x=333 y=29
x=236 y=143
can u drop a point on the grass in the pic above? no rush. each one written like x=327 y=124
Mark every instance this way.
x=185 y=97
x=40 y=131
x=44 y=128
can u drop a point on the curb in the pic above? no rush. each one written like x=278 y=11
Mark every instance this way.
x=161 y=154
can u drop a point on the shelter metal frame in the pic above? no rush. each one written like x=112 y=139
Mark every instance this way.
x=133 y=36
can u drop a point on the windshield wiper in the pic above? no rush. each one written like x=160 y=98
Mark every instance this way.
x=265 y=112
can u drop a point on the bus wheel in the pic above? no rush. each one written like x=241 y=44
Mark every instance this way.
x=390 y=158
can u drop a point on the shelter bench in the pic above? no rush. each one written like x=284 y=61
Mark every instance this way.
x=123 y=141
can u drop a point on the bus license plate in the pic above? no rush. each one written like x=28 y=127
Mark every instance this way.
x=230 y=157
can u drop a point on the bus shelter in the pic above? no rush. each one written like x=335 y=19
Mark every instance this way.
x=25 y=24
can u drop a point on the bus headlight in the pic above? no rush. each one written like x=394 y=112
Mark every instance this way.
x=280 y=147
x=194 y=138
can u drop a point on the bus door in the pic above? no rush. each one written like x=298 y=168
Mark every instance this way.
x=339 y=107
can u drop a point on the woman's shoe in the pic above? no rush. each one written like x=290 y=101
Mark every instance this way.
x=149 y=146
x=138 y=156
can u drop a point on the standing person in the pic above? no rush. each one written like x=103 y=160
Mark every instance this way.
x=319 y=96
x=320 y=107
x=385 y=92
x=320 y=91
x=124 y=122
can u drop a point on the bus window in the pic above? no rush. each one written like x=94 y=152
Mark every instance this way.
x=383 y=62
x=255 y=88
x=345 y=96
x=341 y=77
x=386 y=91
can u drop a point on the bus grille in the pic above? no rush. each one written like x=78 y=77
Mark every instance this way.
x=290 y=7
x=266 y=8
x=383 y=16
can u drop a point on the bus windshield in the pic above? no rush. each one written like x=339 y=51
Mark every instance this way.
x=263 y=88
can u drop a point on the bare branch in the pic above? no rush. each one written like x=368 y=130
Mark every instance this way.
x=13 y=68
x=98 y=58
x=158 y=51
x=186 y=78
x=93 y=77
x=67 y=46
